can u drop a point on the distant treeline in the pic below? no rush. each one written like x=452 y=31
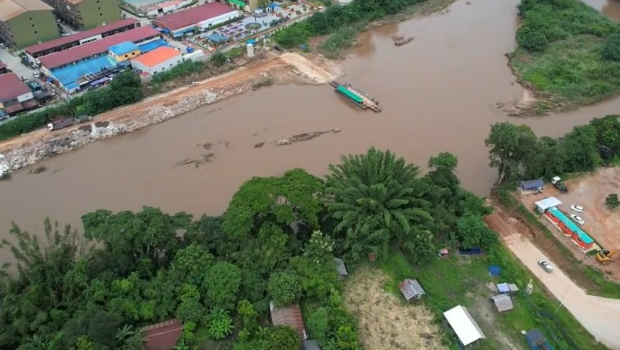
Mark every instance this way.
x=517 y=152
x=337 y=17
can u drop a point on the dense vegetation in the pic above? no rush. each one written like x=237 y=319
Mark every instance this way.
x=516 y=152
x=181 y=70
x=275 y=242
x=568 y=52
x=336 y=18
x=124 y=89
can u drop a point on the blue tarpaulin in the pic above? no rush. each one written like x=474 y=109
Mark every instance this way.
x=495 y=270
x=273 y=6
x=251 y=42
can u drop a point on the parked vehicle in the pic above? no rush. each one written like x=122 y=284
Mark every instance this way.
x=557 y=182
x=577 y=208
x=278 y=48
x=60 y=124
x=578 y=219
x=193 y=83
x=545 y=266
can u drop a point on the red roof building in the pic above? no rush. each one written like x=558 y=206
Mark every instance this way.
x=11 y=87
x=77 y=39
x=193 y=16
x=97 y=48
x=162 y=336
x=288 y=316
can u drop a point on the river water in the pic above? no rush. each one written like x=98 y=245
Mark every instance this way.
x=436 y=92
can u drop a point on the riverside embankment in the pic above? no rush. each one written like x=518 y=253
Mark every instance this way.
x=438 y=93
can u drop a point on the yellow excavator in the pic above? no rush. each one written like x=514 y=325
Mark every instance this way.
x=605 y=256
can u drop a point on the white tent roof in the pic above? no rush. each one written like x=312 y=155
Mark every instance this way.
x=547 y=203
x=463 y=325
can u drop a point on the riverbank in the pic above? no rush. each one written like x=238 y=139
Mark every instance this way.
x=561 y=55
x=267 y=69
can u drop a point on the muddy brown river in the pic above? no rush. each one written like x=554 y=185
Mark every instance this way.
x=436 y=94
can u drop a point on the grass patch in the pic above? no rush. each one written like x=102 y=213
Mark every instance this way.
x=462 y=280
x=559 y=54
x=608 y=288
x=340 y=40
x=234 y=52
x=266 y=81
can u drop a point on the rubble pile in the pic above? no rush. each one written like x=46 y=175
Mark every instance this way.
x=31 y=153
x=5 y=171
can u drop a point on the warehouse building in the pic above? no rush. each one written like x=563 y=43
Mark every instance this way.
x=97 y=48
x=86 y=14
x=26 y=22
x=200 y=17
x=15 y=95
x=85 y=37
x=156 y=61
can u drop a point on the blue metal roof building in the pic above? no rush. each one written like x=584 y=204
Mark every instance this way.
x=123 y=48
x=571 y=225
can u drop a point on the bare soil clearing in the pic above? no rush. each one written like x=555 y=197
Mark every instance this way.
x=602 y=224
x=385 y=322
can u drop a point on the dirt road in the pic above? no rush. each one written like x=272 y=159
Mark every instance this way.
x=228 y=81
x=600 y=316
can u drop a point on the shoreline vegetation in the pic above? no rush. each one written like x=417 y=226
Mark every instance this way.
x=219 y=276
x=336 y=28
x=568 y=54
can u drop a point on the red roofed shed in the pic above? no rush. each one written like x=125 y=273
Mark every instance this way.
x=288 y=316
x=162 y=336
x=192 y=16
x=74 y=40
x=98 y=47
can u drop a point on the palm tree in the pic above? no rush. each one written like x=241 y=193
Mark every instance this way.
x=376 y=197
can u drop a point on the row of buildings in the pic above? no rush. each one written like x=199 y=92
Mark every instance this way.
x=16 y=95
x=29 y=22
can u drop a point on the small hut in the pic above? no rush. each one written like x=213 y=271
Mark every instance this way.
x=341 y=268
x=503 y=302
x=531 y=186
x=507 y=288
x=162 y=336
x=288 y=316
x=411 y=289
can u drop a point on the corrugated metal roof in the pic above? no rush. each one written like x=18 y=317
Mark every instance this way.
x=10 y=9
x=162 y=336
x=532 y=184
x=11 y=86
x=503 y=302
x=157 y=56
x=349 y=94
x=288 y=316
x=340 y=267
x=81 y=52
x=411 y=289
x=463 y=325
x=123 y=48
x=584 y=237
x=79 y=36
x=547 y=203
x=192 y=15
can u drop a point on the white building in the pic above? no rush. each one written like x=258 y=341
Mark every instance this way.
x=465 y=327
x=165 y=7
x=200 y=17
x=159 y=60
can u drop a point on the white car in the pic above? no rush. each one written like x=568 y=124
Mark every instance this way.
x=577 y=219
x=546 y=266
x=193 y=83
x=577 y=208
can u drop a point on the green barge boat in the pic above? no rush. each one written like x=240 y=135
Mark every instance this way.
x=356 y=96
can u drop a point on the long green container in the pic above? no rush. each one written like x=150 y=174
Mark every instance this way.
x=343 y=90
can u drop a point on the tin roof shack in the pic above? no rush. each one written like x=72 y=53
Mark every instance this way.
x=465 y=327
x=531 y=186
x=288 y=316
x=411 y=289
x=341 y=268
x=507 y=288
x=546 y=204
x=162 y=336
x=502 y=302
